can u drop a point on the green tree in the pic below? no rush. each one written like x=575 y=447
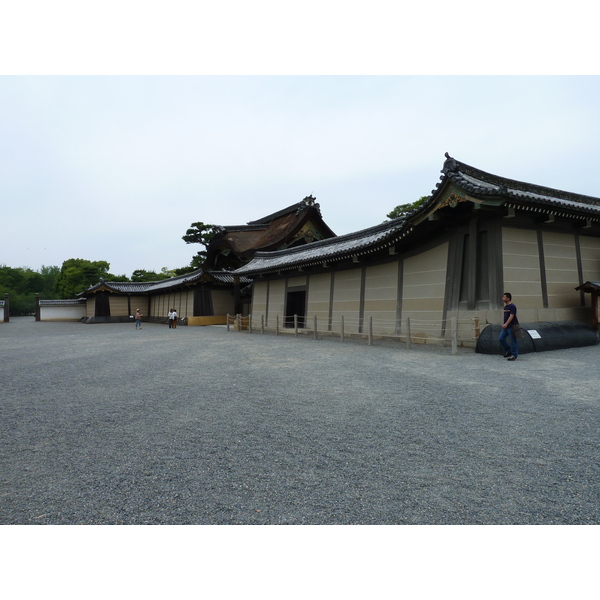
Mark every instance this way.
x=200 y=233
x=78 y=274
x=184 y=270
x=22 y=284
x=143 y=275
x=49 y=274
x=403 y=209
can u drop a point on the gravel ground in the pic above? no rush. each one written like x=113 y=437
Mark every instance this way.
x=102 y=424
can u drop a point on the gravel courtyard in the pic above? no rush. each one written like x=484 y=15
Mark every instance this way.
x=102 y=424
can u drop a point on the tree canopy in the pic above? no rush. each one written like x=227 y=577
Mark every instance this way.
x=200 y=233
x=143 y=275
x=403 y=209
x=78 y=274
x=23 y=283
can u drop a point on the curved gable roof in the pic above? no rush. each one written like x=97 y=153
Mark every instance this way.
x=268 y=233
x=173 y=283
x=525 y=195
x=333 y=249
x=478 y=185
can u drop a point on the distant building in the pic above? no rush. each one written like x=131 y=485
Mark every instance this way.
x=296 y=225
x=207 y=295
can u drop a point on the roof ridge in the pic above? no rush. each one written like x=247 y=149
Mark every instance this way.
x=391 y=224
x=304 y=203
x=454 y=168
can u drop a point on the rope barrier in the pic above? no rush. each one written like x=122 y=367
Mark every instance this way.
x=439 y=331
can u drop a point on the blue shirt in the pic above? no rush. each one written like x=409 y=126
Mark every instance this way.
x=510 y=309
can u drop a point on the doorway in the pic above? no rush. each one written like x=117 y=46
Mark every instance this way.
x=102 y=304
x=295 y=305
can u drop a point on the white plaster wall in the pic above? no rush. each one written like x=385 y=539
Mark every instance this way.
x=62 y=313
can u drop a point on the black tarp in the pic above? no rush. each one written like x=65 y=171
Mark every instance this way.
x=553 y=336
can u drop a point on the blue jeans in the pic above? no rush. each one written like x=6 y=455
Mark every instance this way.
x=514 y=346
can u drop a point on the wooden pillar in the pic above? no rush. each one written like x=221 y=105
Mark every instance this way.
x=6 y=308
x=236 y=295
x=38 y=316
x=454 y=334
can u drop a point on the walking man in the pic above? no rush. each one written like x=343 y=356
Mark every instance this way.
x=510 y=319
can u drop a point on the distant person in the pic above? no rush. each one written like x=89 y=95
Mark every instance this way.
x=174 y=319
x=510 y=319
x=170 y=315
x=138 y=319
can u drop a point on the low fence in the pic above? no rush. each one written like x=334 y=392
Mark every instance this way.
x=415 y=331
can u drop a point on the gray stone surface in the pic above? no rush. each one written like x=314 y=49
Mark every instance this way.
x=102 y=424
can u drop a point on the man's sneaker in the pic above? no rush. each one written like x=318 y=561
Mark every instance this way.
x=512 y=358
x=508 y=354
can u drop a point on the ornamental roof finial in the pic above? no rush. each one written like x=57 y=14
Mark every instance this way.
x=450 y=164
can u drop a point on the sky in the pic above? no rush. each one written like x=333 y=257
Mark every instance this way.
x=116 y=134
x=116 y=168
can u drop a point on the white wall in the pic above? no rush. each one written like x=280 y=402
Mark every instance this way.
x=69 y=312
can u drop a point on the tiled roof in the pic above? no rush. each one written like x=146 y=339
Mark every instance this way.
x=523 y=195
x=294 y=209
x=67 y=302
x=332 y=249
x=265 y=234
x=589 y=286
x=146 y=287
x=227 y=277
x=474 y=181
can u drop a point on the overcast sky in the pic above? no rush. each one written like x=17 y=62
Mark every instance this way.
x=115 y=167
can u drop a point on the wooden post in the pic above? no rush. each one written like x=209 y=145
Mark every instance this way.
x=38 y=316
x=315 y=327
x=262 y=324
x=250 y=323
x=476 y=327
x=370 y=337
x=276 y=324
x=408 y=340
x=237 y=302
x=454 y=328
x=342 y=329
x=227 y=321
x=6 y=308
x=595 y=310
x=296 y=325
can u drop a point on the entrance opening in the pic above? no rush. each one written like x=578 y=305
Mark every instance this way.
x=202 y=302
x=295 y=305
x=102 y=304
